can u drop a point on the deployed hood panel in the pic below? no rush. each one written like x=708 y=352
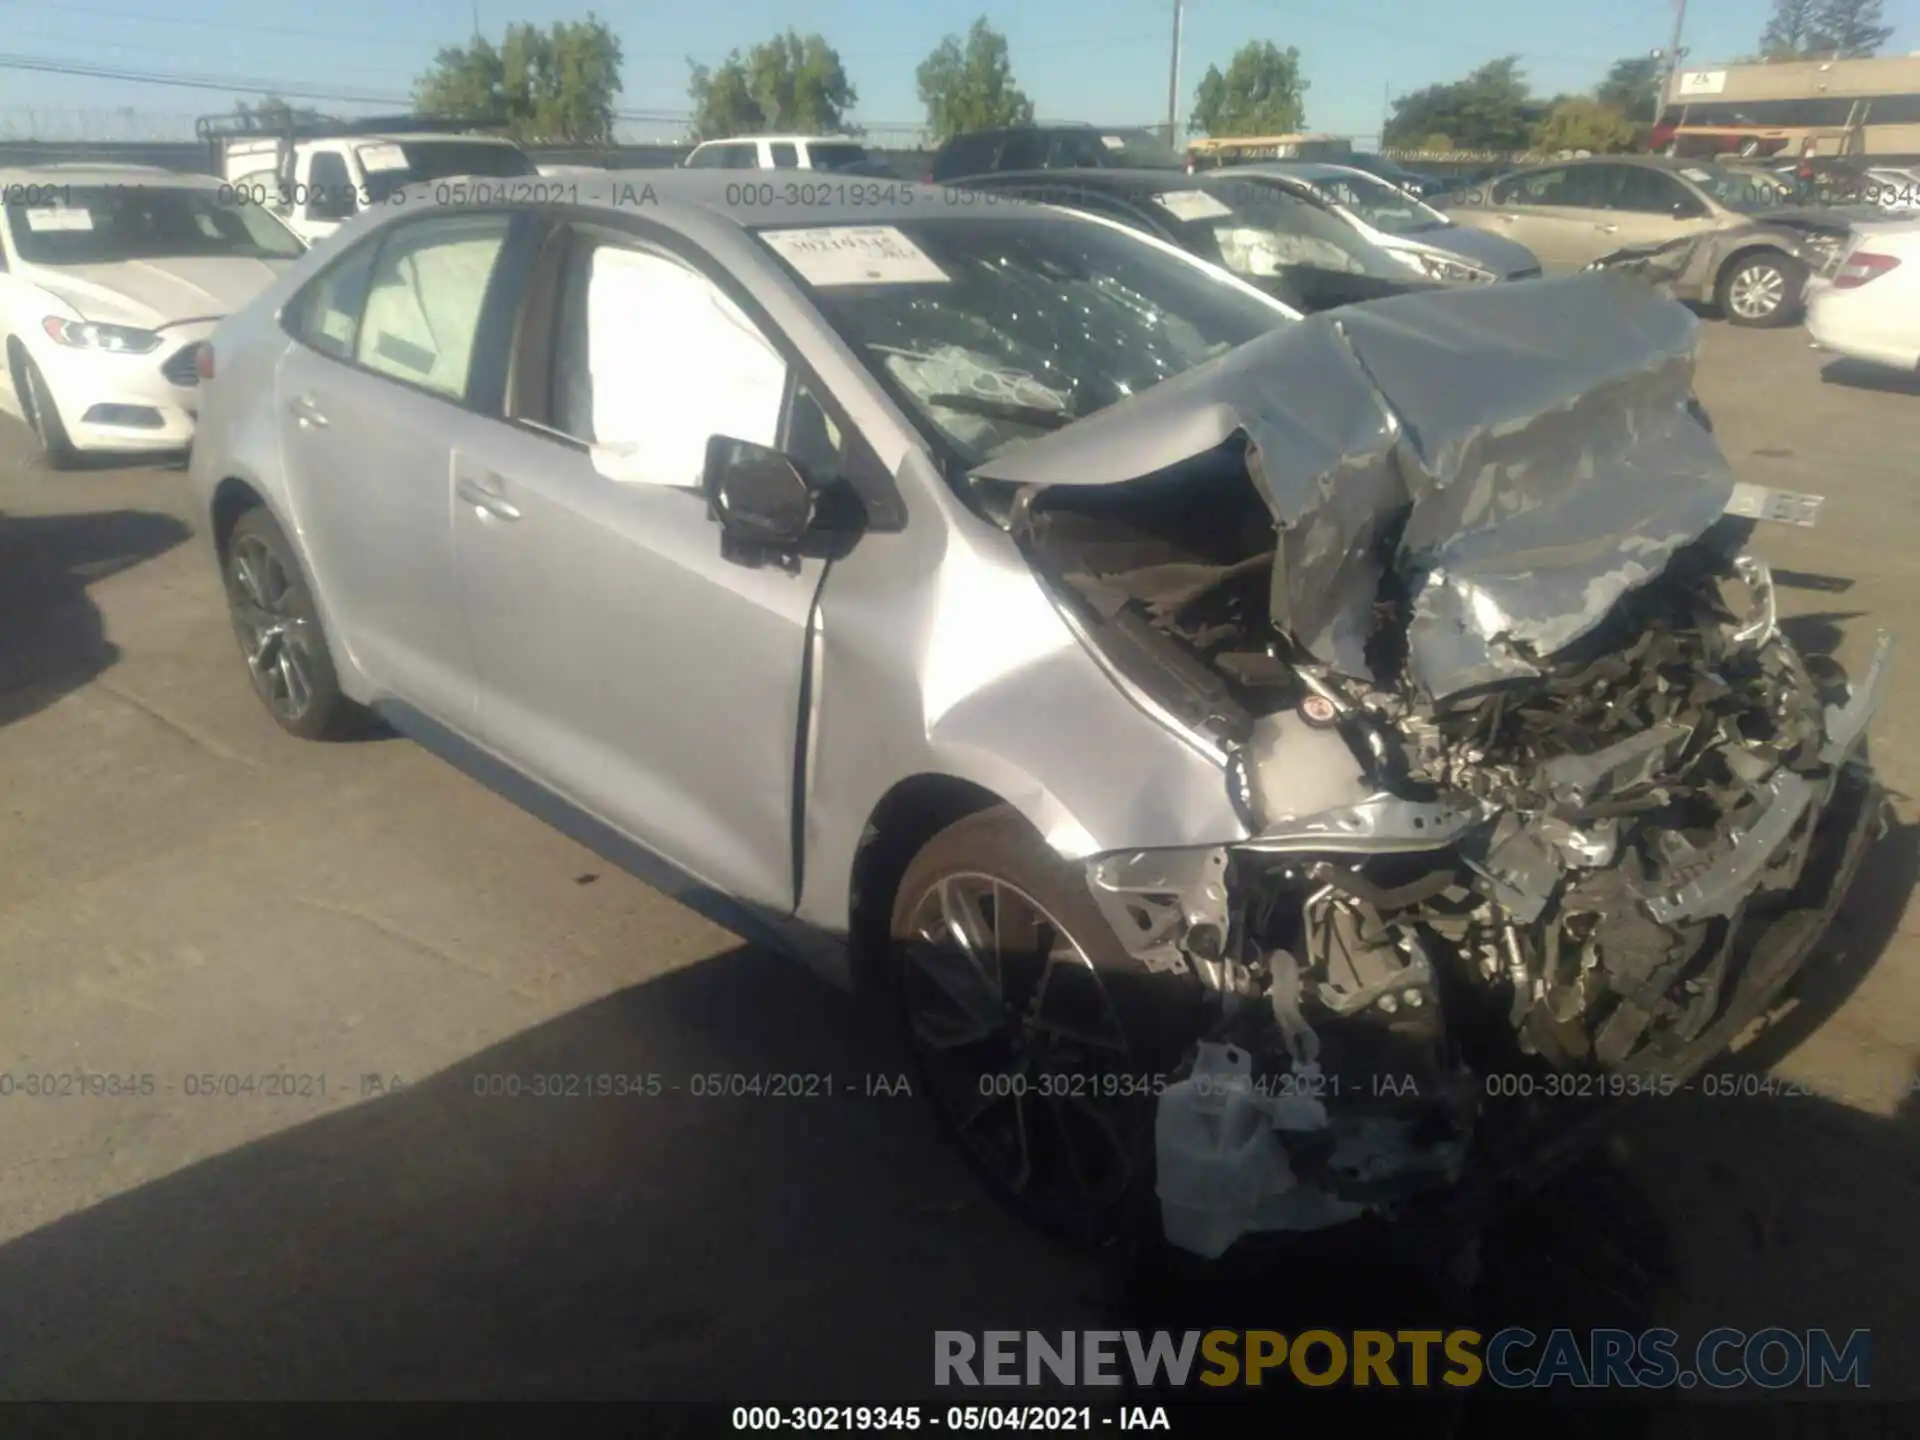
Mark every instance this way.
x=1534 y=446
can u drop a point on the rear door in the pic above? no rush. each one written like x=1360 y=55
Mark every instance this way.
x=1557 y=213
x=371 y=403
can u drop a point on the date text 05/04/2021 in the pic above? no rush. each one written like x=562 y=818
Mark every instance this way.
x=961 y=1419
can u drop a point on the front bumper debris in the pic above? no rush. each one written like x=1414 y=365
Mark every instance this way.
x=1356 y=972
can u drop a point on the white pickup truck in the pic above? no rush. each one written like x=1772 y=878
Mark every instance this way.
x=316 y=174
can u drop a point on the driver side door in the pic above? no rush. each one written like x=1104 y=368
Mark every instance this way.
x=622 y=660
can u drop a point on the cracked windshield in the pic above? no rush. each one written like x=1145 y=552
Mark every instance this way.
x=962 y=717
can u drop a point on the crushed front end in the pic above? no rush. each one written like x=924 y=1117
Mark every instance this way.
x=1532 y=781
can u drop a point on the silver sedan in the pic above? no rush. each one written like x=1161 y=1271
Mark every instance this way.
x=1177 y=709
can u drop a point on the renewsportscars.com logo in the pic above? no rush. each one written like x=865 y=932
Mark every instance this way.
x=1514 y=1358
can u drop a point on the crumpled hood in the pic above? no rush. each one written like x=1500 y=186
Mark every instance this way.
x=155 y=293
x=1534 y=446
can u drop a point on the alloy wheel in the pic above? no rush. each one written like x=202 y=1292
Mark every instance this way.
x=276 y=638
x=1757 y=291
x=1024 y=1051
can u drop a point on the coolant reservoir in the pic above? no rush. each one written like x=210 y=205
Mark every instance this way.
x=1217 y=1154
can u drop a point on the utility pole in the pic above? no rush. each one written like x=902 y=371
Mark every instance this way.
x=1673 y=55
x=1173 y=82
x=476 y=19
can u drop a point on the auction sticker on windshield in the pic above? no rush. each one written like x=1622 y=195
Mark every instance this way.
x=375 y=159
x=854 y=255
x=58 y=219
x=1191 y=205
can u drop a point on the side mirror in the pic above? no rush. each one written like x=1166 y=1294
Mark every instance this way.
x=763 y=504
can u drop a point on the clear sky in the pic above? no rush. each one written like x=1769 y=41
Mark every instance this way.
x=1106 y=62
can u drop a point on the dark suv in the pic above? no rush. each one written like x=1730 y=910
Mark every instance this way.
x=1051 y=147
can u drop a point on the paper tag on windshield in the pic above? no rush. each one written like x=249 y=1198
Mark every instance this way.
x=854 y=255
x=1113 y=142
x=1191 y=205
x=1783 y=507
x=1703 y=176
x=376 y=159
x=52 y=218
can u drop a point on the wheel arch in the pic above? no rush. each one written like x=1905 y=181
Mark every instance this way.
x=232 y=498
x=1732 y=260
x=901 y=823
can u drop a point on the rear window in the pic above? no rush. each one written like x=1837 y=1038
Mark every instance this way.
x=837 y=156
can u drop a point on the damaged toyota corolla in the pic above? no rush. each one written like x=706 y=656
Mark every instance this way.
x=1229 y=740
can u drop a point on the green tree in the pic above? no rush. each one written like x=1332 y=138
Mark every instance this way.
x=543 y=85
x=1795 y=30
x=792 y=82
x=1262 y=93
x=1489 y=110
x=1851 y=29
x=970 y=87
x=1632 y=87
x=1577 y=123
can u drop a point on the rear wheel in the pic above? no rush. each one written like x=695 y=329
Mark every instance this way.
x=1035 y=1034
x=43 y=415
x=278 y=628
x=1762 y=290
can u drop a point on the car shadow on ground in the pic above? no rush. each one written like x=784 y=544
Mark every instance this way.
x=52 y=639
x=1858 y=375
x=448 y=1238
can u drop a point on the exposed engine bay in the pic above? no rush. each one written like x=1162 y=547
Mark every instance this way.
x=1597 y=809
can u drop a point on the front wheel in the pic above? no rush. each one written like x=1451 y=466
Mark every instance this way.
x=1040 y=1040
x=1762 y=291
x=43 y=417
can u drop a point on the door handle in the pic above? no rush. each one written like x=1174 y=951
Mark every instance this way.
x=1607 y=229
x=489 y=501
x=306 y=412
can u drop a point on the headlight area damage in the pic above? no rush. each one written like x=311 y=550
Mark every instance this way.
x=1529 y=773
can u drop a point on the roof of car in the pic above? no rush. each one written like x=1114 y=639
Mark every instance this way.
x=1103 y=178
x=782 y=140
x=83 y=173
x=660 y=193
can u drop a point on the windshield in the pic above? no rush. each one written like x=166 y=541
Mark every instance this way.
x=997 y=328
x=392 y=165
x=1257 y=229
x=106 y=224
x=838 y=156
x=1385 y=207
x=1747 y=191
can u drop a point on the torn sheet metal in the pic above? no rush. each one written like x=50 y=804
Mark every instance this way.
x=1525 y=455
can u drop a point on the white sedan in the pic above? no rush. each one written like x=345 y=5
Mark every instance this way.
x=110 y=277
x=1868 y=307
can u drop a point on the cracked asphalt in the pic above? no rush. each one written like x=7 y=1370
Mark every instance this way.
x=192 y=902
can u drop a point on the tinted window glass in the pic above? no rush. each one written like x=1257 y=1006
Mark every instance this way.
x=707 y=157
x=390 y=167
x=329 y=187
x=966 y=155
x=785 y=157
x=1075 y=148
x=423 y=305
x=1024 y=150
x=327 y=313
x=1644 y=190
x=837 y=155
x=740 y=157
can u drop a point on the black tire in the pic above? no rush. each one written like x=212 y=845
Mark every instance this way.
x=1788 y=283
x=1088 y=1109
x=277 y=625
x=43 y=417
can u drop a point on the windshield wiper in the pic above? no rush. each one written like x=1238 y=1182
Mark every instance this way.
x=1036 y=415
